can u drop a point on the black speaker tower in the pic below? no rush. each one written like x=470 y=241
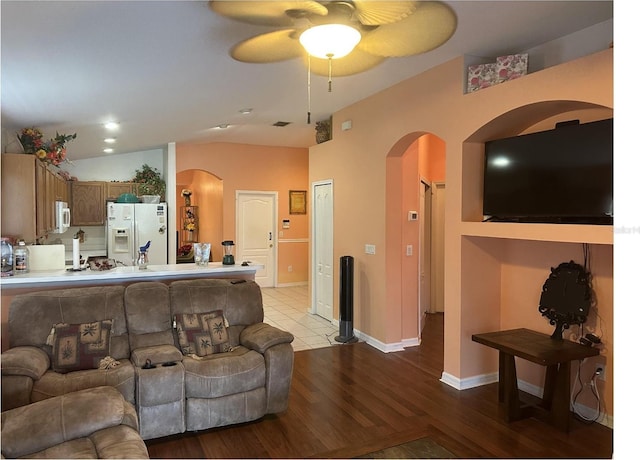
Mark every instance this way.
x=346 y=301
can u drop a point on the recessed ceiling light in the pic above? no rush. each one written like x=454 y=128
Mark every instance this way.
x=246 y=111
x=221 y=126
x=112 y=125
x=108 y=150
x=110 y=140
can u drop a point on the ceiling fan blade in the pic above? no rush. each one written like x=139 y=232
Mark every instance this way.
x=431 y=25
x=384 y=12
x=355 y=62
x=267 y=13
x=270 y=47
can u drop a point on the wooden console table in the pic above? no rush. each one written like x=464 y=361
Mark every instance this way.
x=539 y=348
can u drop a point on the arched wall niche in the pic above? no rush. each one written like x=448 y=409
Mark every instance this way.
x=206 y=191
x=522 y=119
x=530 y=118
x=515 y=264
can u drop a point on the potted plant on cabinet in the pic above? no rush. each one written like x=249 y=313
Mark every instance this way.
x=150 y=182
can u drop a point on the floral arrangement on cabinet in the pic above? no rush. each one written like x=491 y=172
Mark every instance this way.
x=189 y=223
x=53 y=151
x=149 y=181
x=186 y=194
x=190 y=220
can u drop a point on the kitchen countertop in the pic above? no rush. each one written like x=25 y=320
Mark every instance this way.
x=62 y=278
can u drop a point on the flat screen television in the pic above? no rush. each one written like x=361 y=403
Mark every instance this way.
x=563 y=175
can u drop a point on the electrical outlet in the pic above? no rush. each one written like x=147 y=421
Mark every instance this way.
x=601 y=375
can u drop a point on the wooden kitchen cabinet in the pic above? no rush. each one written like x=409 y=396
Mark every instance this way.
x=19 y=196
x=62 y=189
x=29 y=192
x=87 y=203
x=42 y=200
x=115 y=189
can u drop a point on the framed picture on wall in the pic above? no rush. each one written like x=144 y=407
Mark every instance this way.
x=297 y=201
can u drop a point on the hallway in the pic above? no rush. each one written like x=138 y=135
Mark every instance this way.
x=287 y=308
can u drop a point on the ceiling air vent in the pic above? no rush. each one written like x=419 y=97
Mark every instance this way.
x=281 y=123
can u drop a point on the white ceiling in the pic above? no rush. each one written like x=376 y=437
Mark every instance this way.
x=162 y=69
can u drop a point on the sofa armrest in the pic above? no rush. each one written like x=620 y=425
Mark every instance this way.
x=46 y=423
x=261 y=336
x=28 y=361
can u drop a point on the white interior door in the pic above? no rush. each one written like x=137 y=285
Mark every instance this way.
x=322 y=250
x=256 y=236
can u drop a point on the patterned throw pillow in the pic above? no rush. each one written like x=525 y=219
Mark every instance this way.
x=78 y=347
x=202 y=334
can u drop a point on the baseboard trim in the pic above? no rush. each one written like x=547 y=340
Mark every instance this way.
x=375 y=343
x=479 y=380
x=294 y=284
x=469 y=382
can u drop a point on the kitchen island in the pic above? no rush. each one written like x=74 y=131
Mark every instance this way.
x=62 y=279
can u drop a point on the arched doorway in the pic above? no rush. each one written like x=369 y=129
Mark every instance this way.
x=206 y=196
x=415 y=160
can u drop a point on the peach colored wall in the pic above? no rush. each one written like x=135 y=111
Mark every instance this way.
x=422 y=159
x=207 y=194
x=435 y=149
x=387 y=124
x=293 y=254
x=526 y=266
x=257 y=168
x=410 y=236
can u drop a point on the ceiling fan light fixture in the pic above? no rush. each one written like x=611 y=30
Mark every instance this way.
x=330 y=41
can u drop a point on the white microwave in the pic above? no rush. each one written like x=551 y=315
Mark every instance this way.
x=63 y=217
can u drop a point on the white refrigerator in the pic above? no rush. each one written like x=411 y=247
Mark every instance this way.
x=130 y=225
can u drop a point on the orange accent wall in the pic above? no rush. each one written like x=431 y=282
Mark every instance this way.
x=492 y=274
x=207 y=194
x=256 y=168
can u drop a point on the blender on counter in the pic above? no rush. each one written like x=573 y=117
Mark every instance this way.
x=228 y=259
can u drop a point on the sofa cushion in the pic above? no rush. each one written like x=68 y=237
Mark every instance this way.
x=224 y=373
x=32 y=315
x=195 y=333
x=241 y=302
x=148 y=314
x=78 y=347
x=53 y=384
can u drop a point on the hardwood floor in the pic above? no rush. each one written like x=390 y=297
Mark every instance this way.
x=349 y=400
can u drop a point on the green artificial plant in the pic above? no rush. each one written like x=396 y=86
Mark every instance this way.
x=149 y=181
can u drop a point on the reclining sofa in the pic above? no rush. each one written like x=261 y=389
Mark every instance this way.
x=188 y=355
x=92 y=423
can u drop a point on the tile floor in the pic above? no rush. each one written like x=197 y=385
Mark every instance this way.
x=287 y=308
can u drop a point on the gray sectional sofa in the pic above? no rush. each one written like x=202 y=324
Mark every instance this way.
x=188 y=355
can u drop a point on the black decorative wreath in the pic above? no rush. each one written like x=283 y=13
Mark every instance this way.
x=566 y=297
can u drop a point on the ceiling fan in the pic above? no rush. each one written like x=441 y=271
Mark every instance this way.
x=381 y=29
